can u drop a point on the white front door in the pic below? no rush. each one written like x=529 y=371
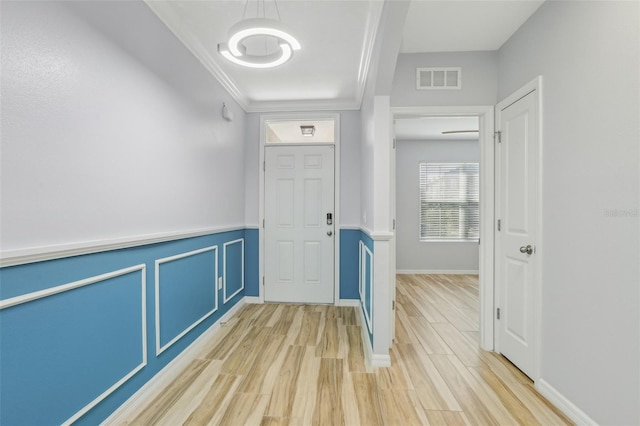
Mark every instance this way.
x=299 y=217
x=517 y=180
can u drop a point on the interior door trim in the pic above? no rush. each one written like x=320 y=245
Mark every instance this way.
x=264 y=119
x=487 y=217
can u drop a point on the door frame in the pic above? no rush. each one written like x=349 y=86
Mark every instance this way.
x=485 y=115
x=292 y=116
x=534 y=85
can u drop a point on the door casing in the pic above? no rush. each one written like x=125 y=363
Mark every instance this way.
x=264 y=119
x=487 y=204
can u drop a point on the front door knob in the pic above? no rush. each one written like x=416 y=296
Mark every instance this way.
x=329 y=233
x=528 y=249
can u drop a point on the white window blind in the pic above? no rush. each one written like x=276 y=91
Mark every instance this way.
x=449 y=202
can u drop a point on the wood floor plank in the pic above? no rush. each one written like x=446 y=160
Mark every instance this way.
x=265 y=358
x=394 y=377
x=308 y=334
x=218 y=395
x=281 y=402
x=429 y=385
x=467 y=352
x=329 y=342
x=244 y=409
x=159 y=406
x=230 y=340
x=428 y=337
x=475 y=410
x=328 y=406
x=242 y=357
x=355 y=355
x=397 y=408
x=366 y=389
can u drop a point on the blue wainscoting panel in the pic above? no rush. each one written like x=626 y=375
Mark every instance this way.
x=366 y=280
x=78 y=351
x=63 y=350
x=251 y=268
x=186 y=293
x=349 y=241
x=232 y=269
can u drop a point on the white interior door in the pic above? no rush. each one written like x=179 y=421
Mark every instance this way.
x=299 y=230
x=517 y=180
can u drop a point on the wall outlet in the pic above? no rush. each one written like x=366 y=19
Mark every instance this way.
x=219 y=283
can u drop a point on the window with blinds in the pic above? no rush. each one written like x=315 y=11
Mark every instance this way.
x=449 y=202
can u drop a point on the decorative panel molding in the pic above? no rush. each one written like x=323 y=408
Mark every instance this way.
x=200 y=298
x=229 y=275
x=365 y=283
x=77 y=325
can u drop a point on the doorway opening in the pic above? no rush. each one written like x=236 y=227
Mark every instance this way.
x=447 y=180
x=299 y=208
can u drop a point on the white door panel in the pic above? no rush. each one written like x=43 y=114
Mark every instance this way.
x=516 y=208
x=299 y=243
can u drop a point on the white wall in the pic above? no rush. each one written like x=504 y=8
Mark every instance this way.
x=588 y=55
x=479 y=79
x=411 y=254
x=349 y=167
x=110 y=128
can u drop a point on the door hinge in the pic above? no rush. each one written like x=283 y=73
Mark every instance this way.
x=262 y=281
x=263 y=223
x=498 y=313
x=499 y=224
x=393 y=305
x=394 y=224
x=498 y=137
x=394 y=143
x=264 y=166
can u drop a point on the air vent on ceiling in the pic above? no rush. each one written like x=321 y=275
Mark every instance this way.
x=438 y=78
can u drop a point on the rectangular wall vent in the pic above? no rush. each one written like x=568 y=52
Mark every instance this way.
x=439 y=78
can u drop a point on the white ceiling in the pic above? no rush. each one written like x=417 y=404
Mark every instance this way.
x=337 y=36
x=459 y=26
x=431 y=128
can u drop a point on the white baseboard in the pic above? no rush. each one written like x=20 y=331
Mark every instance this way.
x=252 y=300
x=366 y=343
x=349 y=302
x=378 y=360
x=437 y=272
x=170 y=372
x=563 y=404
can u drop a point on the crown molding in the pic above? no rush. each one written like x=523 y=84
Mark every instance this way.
x=172 y=20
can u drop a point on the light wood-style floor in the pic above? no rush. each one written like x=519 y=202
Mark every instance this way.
x=277 y=364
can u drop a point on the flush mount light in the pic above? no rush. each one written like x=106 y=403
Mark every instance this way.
x=308 y=130
x=235 y=51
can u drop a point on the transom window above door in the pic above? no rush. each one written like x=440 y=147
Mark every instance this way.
x=300 y=131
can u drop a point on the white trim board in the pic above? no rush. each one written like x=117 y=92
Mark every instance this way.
x=59 y=251
x=170 y=372
x=485 y=113
x=437 y=272
x=240 y=241
x=160 y=349
x=563 y=404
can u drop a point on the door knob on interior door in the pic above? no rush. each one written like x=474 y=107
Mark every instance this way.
x=528 y=249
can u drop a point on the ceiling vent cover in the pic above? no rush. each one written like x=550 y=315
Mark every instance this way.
x=439 y=78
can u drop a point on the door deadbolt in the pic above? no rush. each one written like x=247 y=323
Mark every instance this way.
x=528 y=249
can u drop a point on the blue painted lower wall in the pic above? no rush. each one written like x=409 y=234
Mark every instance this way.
x=108 y=322
x=129 y=313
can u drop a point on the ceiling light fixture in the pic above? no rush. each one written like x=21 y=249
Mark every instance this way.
x=235 y=51
x=307 y=130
